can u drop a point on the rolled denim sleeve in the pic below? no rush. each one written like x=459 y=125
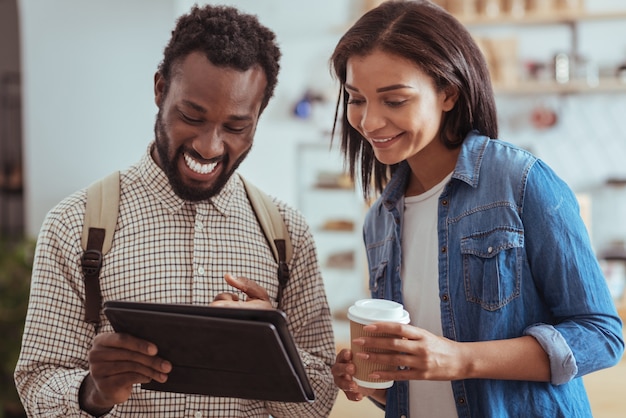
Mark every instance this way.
x=563 y=366
x=583 y=333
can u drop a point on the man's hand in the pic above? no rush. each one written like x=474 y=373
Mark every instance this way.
x=257 y=296
x=343 y=370
x=116 y=362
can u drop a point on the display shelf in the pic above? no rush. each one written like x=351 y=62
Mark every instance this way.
x=335 y=210
x=605 y=85
x=530 y=19
x=571 y=19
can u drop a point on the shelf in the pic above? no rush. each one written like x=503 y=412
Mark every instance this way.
x=326 y=189
x=333 y=207
x=541 y=19
x=499 y=52
x=608 y=85
x=11 y=191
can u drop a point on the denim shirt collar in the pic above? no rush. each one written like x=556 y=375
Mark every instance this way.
x=467 y=169
x=470 y=158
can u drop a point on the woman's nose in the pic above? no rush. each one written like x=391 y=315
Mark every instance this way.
x=372 y=119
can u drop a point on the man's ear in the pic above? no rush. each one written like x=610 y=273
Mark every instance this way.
x=159 y=88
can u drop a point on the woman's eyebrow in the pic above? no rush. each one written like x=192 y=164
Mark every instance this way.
x=381 y=89
x=393 y=87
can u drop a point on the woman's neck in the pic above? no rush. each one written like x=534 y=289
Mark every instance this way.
x=430 y=166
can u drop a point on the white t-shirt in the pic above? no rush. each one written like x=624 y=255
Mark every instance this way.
x=420 y=289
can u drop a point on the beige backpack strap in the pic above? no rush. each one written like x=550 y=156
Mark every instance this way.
x=101 y=211
x=103 y=201
x=274 y=229
x=269 y=218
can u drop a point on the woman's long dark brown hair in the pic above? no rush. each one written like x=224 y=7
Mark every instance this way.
x=442 y=47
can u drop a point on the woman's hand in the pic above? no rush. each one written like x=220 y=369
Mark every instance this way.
x=421 y=355
x=418 y=354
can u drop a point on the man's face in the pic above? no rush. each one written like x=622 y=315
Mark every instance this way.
x=206 y=124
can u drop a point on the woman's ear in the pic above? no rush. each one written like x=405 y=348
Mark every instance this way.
x=159 y=88
x=451 y=96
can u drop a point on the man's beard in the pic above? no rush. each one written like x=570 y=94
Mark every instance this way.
x=170 y=167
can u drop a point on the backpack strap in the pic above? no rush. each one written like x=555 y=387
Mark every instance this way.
x=101 y=212
x=274 y=229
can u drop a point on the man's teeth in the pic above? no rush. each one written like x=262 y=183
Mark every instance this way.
x=197 y=167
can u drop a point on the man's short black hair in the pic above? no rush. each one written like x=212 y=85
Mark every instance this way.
x=228 y=38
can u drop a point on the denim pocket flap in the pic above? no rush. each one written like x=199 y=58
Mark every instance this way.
x=489 y=244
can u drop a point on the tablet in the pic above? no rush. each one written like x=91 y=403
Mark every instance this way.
x=218 y=351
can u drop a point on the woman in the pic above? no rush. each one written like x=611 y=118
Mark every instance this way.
x=480 y=240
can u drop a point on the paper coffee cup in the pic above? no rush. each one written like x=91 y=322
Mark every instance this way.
x=365 y=312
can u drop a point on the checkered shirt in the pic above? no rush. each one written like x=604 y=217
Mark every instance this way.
x=166 y=250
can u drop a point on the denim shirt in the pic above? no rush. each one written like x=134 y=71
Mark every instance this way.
x=514 y=259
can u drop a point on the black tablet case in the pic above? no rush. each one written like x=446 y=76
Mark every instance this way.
x=229 y=352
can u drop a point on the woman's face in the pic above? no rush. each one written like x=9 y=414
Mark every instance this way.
x=394 y=105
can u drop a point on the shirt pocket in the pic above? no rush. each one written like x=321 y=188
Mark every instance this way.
x=492 y=267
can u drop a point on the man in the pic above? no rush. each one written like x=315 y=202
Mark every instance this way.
x=186 y=233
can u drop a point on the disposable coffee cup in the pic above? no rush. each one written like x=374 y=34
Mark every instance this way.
x=365 y=312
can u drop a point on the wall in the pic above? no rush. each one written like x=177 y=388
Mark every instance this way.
x=88 y=103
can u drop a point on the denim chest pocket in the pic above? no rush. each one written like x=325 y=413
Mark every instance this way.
x=492 y=269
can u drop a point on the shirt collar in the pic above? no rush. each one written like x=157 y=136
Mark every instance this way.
x=155 y=180
x=470 y=158
x=467 y=169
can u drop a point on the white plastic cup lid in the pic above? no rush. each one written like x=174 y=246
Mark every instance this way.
x=368 y=311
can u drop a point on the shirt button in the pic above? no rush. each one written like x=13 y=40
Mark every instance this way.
x=199 y=226
x=200 y=270
x=198 y=414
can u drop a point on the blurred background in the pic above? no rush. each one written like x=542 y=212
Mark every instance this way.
x=76 y=102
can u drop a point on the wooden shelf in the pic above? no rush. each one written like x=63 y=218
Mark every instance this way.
x=608 y=85
x=571 y=18
x=541 y=19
